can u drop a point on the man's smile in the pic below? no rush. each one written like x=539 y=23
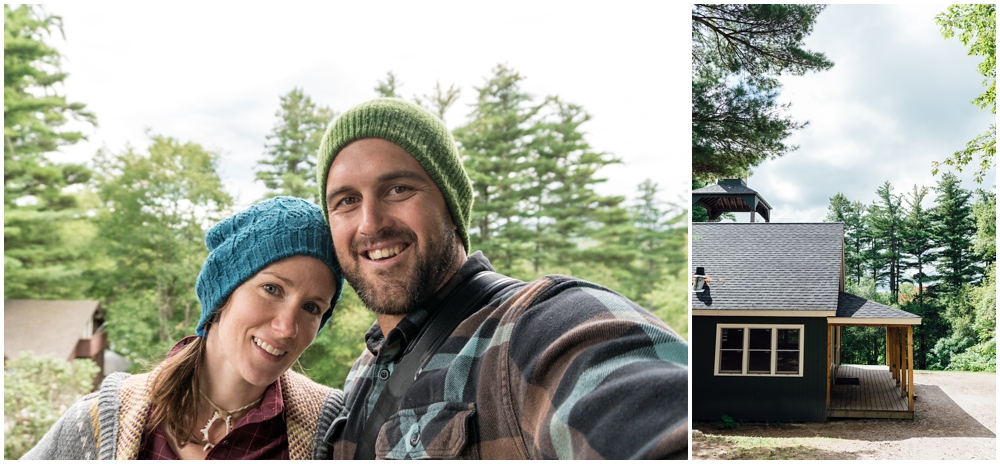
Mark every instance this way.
x=384 y=252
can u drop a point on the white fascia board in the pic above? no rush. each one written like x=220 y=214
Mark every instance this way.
x=761 y=312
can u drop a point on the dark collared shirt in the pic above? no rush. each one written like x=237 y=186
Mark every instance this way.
x=557 y=368
x=260 y=434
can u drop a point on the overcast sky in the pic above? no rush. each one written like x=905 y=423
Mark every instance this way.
x=896 y=99
x=212 y=73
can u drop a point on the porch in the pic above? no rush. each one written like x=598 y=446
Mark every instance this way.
x=875 y=391
x=876 y=394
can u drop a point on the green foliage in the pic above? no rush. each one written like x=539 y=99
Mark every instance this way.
x=46 y=253
x=976 y=26
x=387 y=88
x=44 y=250
x=985 y=212
x=668 y=301
x=156 y=206
x=340 y=343
x=758 y=40
x=851 y=213
x=533 y=177
x=33 y=112
x=945 y=349
x=736 y=126
x=953 y=227
x=727 y=422
x=981 y=357
x=864 y=345
x=37 y=391
x=884 y=223
x=290 y=164
x=738 y=52
x=957 y=306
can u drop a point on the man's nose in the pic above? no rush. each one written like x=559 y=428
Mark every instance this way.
x=373 y=218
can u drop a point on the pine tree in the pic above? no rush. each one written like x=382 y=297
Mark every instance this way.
x=885 y=226
x=953 y=227
x=918 y=244
x=45 y=233
x=495 y=153
x=290 y=164
x=852 y=215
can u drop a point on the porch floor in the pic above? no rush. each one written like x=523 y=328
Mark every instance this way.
x=877 y=396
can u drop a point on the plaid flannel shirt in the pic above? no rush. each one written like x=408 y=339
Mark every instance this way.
x=557 y=368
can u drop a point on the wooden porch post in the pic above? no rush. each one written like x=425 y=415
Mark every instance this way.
x=902 y=365
x=894 y=356
x=909 y=357
x=829 y=361
x=897 y=348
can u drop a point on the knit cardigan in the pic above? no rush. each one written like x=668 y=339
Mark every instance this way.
x=109 y=423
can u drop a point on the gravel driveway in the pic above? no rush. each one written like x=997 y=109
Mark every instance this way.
x=956 y=419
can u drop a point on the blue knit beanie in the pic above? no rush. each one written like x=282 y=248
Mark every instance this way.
x=243 y=244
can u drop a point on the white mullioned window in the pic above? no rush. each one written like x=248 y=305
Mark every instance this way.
x=759 y=349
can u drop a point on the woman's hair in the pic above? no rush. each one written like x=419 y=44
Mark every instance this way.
x=175 y=390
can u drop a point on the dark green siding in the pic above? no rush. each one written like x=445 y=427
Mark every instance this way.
x=758 y=398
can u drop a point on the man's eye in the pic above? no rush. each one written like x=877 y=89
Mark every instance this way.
x=347 y=201
x=272 y=289
x=399 y=189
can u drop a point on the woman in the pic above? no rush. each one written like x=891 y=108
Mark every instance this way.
x=269 y=284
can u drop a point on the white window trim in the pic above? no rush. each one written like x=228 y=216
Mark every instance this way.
x=746 y=348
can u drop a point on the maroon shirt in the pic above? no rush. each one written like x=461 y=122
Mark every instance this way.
x=260 y=434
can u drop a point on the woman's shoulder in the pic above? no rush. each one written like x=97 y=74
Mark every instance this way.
x=296 y=387
x=309 y=410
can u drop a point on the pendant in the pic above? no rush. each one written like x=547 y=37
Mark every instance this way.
x=204 y=431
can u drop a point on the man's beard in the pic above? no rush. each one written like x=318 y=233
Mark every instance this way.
x=432 y=261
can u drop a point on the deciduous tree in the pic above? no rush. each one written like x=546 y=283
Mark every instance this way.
x=976 y=26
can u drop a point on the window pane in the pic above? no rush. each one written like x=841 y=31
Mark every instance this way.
x=731 y=361
x=759 y=362
x=760 y=339
x=732 y=339
x=788 y=362
x=788 y=339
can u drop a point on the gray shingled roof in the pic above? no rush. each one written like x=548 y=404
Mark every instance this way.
x=861 y=308
x=730 y=189
x=768 y=266
x=49 y=327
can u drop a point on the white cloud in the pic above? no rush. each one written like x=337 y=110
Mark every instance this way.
x=212 y=73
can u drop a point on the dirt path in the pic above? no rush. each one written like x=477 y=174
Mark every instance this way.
x=956 y=419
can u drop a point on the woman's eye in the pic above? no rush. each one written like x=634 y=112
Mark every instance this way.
x=272 y=289
x=312 y=308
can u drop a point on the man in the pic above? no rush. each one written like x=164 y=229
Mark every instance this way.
x=555 y=368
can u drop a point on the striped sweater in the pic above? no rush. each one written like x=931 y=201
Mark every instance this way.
x=109 y=423
x=557 y=368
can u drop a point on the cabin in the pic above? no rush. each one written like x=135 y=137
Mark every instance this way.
x=768 y=307
x=63 y=329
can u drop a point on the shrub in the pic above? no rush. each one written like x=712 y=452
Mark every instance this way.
x=37 y=391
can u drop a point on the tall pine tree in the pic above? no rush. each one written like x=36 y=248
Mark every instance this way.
x=494 y=147
x=852 y=215
x=290 y=164
x=45 y=233
x=885 y=227
x=954 y=227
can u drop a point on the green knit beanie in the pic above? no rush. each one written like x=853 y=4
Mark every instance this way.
x=420 y=133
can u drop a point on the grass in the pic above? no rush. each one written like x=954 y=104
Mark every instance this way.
x=755 y=447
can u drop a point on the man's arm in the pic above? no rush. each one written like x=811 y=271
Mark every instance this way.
x=600 y=376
